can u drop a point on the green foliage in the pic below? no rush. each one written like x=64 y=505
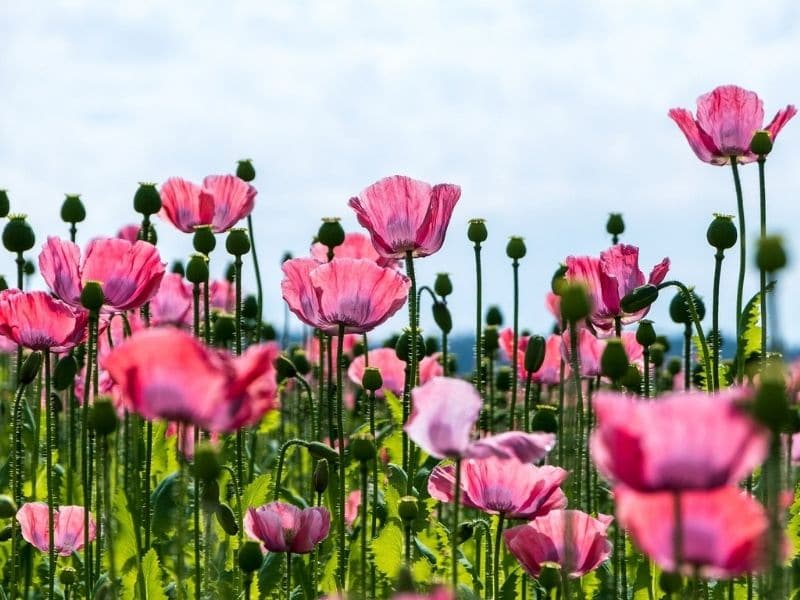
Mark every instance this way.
x=152 y=577
x=257 y=492
x=125 y=549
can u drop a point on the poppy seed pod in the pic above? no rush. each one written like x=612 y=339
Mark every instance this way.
x=476 y=231
x=245 y=170
x=5 y=204
x=679 y=312
x=301 y=363
x=408 y=508
x=615 y=224
x=575 y=303
x=72 y=209
x=147 y=200
x=674 y=366
x=770 y=254
x=558 y=281
x=545 y=419
x=494 y=316
x=721 y=233
x=104 y=417
x=197 y=269
x=224 y=329
x=92 y=297
x=177 y=267
x=238 y=242
x=30 y=368
x=614 y=360
x=250 y=556
x=320 y=476
x=250 y=307
x=646 y=333
x=204 y=240
x=18 y=236
x=372 y=380
x=639 y=299
x=67 y=576
x=442 y=318
x=761 y=144
x=402 y=348
x=442 y=285
x=331 y=233
x=207 y=465
x=491 y=340
x=534 y=353
x=515 y=249
x=504 y=378
x=362 y=447
x=657 y=355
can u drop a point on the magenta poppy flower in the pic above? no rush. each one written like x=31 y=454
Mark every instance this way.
x=405 y=215
x=355 y=245
x=282 y=527
x=221 y=202
x=609 y=279
x=349 y=292
x=723 y=531
x=37 y=321
x=173 y=303
x=192 y=383
x=392 y=369
x=33 y=518
x=549 y=372
x=129 y=232
x=574 y=541
x=688 y=440
x=351 y=508
x=430 y=367
x=502 y=486
x=727 y=118
x=129 y=273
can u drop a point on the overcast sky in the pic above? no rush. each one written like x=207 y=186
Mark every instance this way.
x=548 y=114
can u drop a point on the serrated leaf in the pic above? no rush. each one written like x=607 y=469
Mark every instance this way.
x=270 y=574
x=395 y=406
x=151 y=576
x=256 y=492
x=750 y=325
x=126 y=553
x=387 y=549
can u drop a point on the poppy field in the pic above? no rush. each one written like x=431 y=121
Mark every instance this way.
x=161 y=439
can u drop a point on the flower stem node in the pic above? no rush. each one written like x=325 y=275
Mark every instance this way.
x=245 y=170
x=250 y=556
x=534 y=353
x=615 y=224
x=207 y=466
x=362 y=447
x=372 y=380
x=238 y=242
x=770 y=255
x=203 y=240
x=476 y=231
x=18 y=236
x=72 y=209
x=331 y=233
x=321 y=476
x=227 y=520
x=147 y=200
x=614 y=360
x=197 y=269
x=442 y=285
x=761 y=144
x=515 y=249
x=8 y=508
x=30 y=368
x=575 y=303
x=92 y=297
x=721 y=233
x=104 y=416
x=639 y=299
x=646 y=333
x=545 y=419
x=408 y=508
x=494 y=316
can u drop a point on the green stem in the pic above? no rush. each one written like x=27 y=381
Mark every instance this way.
x=478 y=312
x=646 y=369
x=677 y=531
x=497 y=547
x=85 y=459
x=527 y=410
x=259 y=288
x=288 y=576
x=341 y=565
x=112 y=567
x=742 y=266
x=412 y=359
x=374 y=527
x=687 y=357
x=454 y=532
x=51 y=503
x=762 y=187
x=198 y=587
x=715 y=349
x=364 y=503
x=17 y=475
x=687 y=297
x=514 y=353
x=148 y=462
x=281 y=459
x=575 y=364
x=179 y=503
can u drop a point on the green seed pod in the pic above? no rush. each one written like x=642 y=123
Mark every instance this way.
x=8 y=508
x=721 y=233
x=197 y=269
x=770 y=254
x=670 y=583
x=147 y=200
x=674 y=366
x=615 y=224
x=442 y=318
x=646 y=333
x=545 y=419
x=321 y=476
x=679 y=312
x=250 y=557
x=72 y=209
x=285 y=368
x=224 y=329
x=104 y=416
x=245 y=170
x=226 y=519
x=558 y=281
x=476 y=231
x=632 y=379
x=550 y=578
x=515 y=249
x=18 y=236
x=442 y=285
x=614 y=360
x=5 y=204
x=30 y=368
x=408 y=508
x=92 y=297
x=204 y=240
x=331 y=233
x=177 y=267
x=300 y=360
x=206 y=464
x=534 y=353
x=372 y=380
x=761 y=144
x=238 y=242
x=403 y=347
x=67 y=576
x=64 y=373
x=250 y=307
x=491 y=340
x=504 y=378
x=494 y=316
x=362 y=447
x=640 y=298
x=657 y=355
x=575 y=303
x=465 y=532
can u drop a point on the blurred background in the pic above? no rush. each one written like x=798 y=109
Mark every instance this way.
x=549 y=115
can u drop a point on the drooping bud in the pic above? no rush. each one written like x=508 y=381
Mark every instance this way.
x=147 y=200
x=442 y=318
x=558 y=281
x=476 y=231
x=227 y=519
x=64 y=373
x=534 y=353
x=639 y=299
x=442 y=285
x=30 y=368
x=319 y=450
x=515 y=249
x=321 y=476
x=721 y=233
x=301 y=363
x=72 y=209
x=245 y=170
x=285 y=368
x=465 y=532
x=679 y=311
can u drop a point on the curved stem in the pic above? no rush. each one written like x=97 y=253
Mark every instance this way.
x=259 y=288
x=742 y=266
x=454 y=532
x=497 y=547
x=281 y=458
x=716 y=348
x=311 y=408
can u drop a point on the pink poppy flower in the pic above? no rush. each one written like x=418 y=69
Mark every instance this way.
x=37 y=321
x=354 y=293
x=549 y=372
x=502 y=486
x=129 y=233
x=129 y=273
x=355 y=245
x=392 y=369
x=590 y=350
x=723 y=531
x=405 y=215
x=430 y=367
x=173 y=303
x=727 y=118
x=186 y=442
x=688 y=440
x=192 y=383
x=552 y=303
x=349 y=343
x=351 y=508
x=33 y=518
x=609 y=279
x=282 y=527
x=221 y=202
x=571 y=539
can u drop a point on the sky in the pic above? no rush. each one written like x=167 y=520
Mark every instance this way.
x=549 y=115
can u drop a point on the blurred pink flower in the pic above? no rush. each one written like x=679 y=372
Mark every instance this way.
x=356 y=245
x=430 y=367
x=727 y=118
x=348 y=344
x=37 y=321
x=33 y=518
x=549 y=372
x=405 y=215
x=186 y=443
x=221 y=202
x=351 y=507
x=173 y=303
x=129 y=232
x=392 y=369
x=282 y=527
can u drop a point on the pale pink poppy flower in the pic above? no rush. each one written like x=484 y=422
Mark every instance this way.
x=356 y=294
x=549 y=372
x=723 y=531
x=129 y=232
x=574 y=541
x=610 y=278
x=502 y=486
x=552 y=303
x=129 y=273
x=591 y=348
x=282 y=527
x=355 y=245
x=37 y=321
x=221 y=202
x=392 y=369
x=186 y=442
x=404 y=215
x=351 y=508
x=192 y=383
x=232 y=197
x=685 y=440
x=727 y=118
x=33 y=518
x=348 y=344
x=173 y=303
x=430 y=367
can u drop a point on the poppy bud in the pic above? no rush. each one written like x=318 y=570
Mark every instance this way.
x=545 y=419
x=319 y=451
x=679 y=312
x=534 y=353
x=503 y=379
x=657 y=355
x=402 y=348
x=494 y=316
x=771 y=407
x=300 y=360
x=615 y=224
x=476 y=231
x=575 y=303
x=18 y=236
x=30 y=368
x=177 y=267
x=72 y=209
x=224 y=329
x=268 y=332
x=250 y=556
x=515 y=249
x=645 y=333
x=372 y=380
x=407 y=508
x=632 y=379
x=320 y=477
x=245 y=170
x=250 y=307
x=770 y=255
x=5 y=204
x=285 y=368
x=550 y=578
x=442 y=285
x=721 y=233
x=64 y=374
x=761 y=144
x=147 y=200
x=442 y=318
x=67 y=576
x=491 y=340
x=92 y=297
x=465 y=532
x=238 y=242
x=331 y=233
x=639 y=299
x=29 y=268
x=197 y=269
x=431 y=345
x=207 y=465
x=8 y=508
x=362 y=447
x=227 y=520
x=104 y=417
x=614 y=360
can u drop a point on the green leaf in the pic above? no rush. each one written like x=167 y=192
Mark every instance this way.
x=750 y=325
x=257 y=492
x=164 y=508
x=395 y=407
x=387 y=549
x=270 y=574
x=151 y=576
x=125 y=549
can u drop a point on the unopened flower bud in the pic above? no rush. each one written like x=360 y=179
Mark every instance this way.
x=245 y=170
x=18 y=236
x=319 y=450
x=147 y=200
x=64 y=373
x=515 y=249
x=177 y=267
x=674 y=366
x=92 y=297
x=639 y=299
x=227 y=519
x=5 y=204
x=614 y=360
x=8 y=508
x=72 y=209
x=197 y=269
x=372 y=380
x=679 y=311
x=301 y=363
x=204 y=240
x=238 y=242
x=331 y=233
x=615 y=224
x=285 y=368
x=476 y=231
x=761 y=144
x=104 y=417
x=5 y=533
x=250 y=556
x=30 y=368
x=534 y=353
x=207 y=465
x=408 y=508
x=362 y=447
x=575 y=303
x=494 y=316
x=321 y=476
x=442 y=285
x=559 y=280
x=770 y=254
x=442 y=318
x=646 y=333
x=721 y=233
x=250 y=307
